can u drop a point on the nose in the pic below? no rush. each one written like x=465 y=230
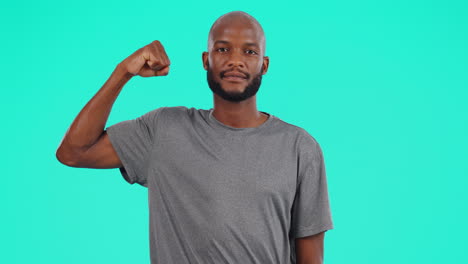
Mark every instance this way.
x=235 y=60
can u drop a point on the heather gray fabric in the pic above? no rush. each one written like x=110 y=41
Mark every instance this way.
x=219 y=194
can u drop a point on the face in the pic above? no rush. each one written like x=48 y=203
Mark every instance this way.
x=234 y=61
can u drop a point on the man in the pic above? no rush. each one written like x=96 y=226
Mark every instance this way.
x=226 y=185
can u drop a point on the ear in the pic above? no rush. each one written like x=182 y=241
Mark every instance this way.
x=266 y=63
x=205 y=60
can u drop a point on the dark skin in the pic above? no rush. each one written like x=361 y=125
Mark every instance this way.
x=309 y=249
x=236 y=42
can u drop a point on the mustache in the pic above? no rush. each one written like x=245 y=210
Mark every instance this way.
x=222 y=73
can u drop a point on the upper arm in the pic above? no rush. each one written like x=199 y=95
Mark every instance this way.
x=309 y=249
x=100 y=155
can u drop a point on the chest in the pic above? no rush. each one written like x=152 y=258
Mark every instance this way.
x=228 y=168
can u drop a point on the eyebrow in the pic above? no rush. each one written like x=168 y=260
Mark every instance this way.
x=227 y=42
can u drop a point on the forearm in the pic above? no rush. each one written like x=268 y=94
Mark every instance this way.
x=89 y=123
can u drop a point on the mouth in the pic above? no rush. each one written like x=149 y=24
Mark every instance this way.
x=234 y=79
x=234 y=76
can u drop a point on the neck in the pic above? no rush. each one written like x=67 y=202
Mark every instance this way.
x=238 y=114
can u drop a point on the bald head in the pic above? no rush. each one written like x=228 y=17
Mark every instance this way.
x=236 y=19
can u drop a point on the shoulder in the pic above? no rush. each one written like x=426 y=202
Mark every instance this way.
x=153 y=113
x=302 y=137
x=165 y=112
x=178 y=111
x=176 y=117
x=305 y=144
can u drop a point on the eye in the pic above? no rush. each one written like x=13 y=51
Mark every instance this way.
x=251 y=52
x=221 y=49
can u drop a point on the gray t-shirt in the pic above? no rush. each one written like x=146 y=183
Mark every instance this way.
x=220 y=194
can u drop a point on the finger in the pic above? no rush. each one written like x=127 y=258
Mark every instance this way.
x=154 y=62
x=163 y=71
x=154 y=65
x=162 y=53
x=146 y=71
x=146 y=53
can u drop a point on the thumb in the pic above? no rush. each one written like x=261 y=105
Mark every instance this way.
x=163 y=71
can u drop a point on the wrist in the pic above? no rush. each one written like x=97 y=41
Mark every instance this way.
x=121 y=73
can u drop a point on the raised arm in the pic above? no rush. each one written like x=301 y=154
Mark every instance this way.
x=86 y=144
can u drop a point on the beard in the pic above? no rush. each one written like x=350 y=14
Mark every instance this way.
x=250 y=90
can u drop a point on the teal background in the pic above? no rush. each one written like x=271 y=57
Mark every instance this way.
x=381 y=85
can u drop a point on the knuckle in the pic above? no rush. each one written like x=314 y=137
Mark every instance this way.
x=146 y=51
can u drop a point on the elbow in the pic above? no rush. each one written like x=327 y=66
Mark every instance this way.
x=65 y=157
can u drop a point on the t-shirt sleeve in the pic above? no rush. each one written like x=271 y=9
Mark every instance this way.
x=132 y=141
x=310 y=213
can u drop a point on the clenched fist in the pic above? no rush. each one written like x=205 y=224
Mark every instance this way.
x=151 y=60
